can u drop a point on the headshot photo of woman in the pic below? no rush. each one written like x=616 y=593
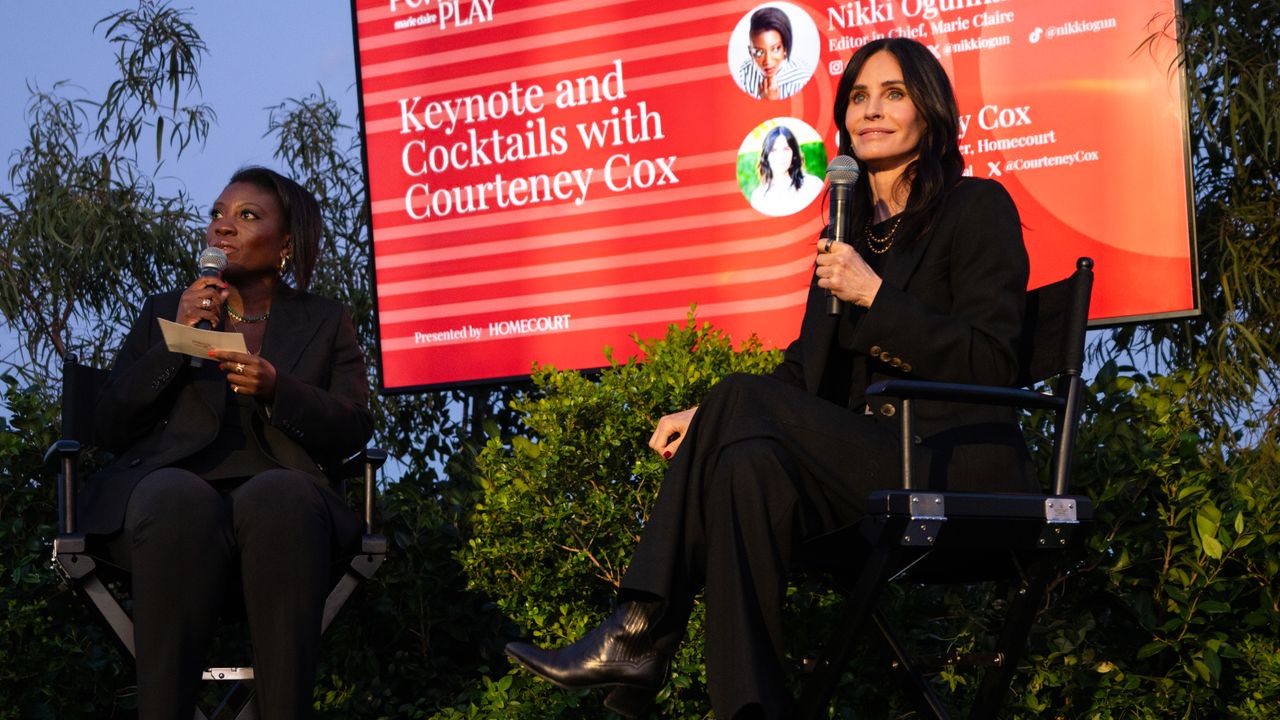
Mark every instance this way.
x=773 y=51
x=784 y=186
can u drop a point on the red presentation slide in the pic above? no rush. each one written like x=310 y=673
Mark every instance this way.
x=548 y=178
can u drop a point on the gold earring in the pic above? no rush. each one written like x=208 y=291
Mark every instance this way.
x=284 y=260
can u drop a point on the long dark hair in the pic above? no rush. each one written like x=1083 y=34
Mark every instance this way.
x=939 y=164
x=795 y=171
x=301 y=216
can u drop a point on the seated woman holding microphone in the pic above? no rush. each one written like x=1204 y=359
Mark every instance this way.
x=932 y=288
x=219 y=466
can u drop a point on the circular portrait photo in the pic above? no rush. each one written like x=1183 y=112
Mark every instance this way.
x=773 y=51
x=780 y=166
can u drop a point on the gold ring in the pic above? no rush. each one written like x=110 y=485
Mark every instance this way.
x=235 y=389
x=239 y=368
x=206 y=303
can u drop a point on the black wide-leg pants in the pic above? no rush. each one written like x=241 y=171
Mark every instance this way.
x=764 y=466
x=182 y=539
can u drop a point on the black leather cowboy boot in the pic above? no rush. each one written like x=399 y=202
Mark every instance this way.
x=618 y=654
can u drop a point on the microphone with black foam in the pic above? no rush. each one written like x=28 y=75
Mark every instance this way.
x=212 y=262
x=842 y=173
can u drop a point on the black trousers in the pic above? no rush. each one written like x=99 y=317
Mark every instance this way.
x=763 y=467
x=182 y=539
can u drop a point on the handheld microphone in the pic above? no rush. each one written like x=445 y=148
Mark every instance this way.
x=212 y=262
x=842 y=173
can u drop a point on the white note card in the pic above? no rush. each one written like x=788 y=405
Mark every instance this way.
x=198 y=343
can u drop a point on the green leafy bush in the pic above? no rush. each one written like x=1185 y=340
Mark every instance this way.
x=1173 y=609
x=55 y=662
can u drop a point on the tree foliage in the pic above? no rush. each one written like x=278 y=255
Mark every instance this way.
x=83 y=235
x=75 y=219
x=1232 y=66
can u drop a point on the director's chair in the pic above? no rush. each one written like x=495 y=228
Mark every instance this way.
x=73 y=555
x=1021 y=540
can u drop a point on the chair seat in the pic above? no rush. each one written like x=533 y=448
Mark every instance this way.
x=967 y=537
x=971 y=505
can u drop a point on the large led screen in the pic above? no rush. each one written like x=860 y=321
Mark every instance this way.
x=548 y=178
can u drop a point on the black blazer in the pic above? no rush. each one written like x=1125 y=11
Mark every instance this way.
x=156 y=409
x=949 y=309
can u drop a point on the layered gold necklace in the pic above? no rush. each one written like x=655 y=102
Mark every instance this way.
x=881 y=245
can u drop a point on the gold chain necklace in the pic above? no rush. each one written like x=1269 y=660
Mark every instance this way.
x=881 y=245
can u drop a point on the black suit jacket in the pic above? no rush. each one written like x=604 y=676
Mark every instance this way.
x=156 y=409
x=949 y=309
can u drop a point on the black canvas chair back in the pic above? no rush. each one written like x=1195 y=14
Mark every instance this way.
x=81 y=385
x=1052 y=347
x=90 y=577
x=1021 y=540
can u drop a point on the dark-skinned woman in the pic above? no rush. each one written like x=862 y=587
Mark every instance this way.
x=932 y=288
x=219 y=475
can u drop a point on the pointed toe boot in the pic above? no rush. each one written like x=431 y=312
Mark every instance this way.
x=617 y=654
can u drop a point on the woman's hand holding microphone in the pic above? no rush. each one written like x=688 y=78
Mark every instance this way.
x=202 y=301
x=843 y=271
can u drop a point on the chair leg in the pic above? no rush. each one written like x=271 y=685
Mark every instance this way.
x=915 y=685
x=815 y=699
x=249 y=710
x=1012 y=644
x=337 y=598
x=109 y=608
x=237 y=704
x=362 y=567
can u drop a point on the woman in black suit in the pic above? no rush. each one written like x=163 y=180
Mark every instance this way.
x=220 y=469
x=932 y=288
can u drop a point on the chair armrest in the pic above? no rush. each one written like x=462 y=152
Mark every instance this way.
x=61 y=450
x=365 y=463
x=61 y=458
x=965 y=393
x=354 y=466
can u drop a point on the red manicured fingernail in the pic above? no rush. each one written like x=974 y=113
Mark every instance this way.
x=666 y=454
x=211 y=353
